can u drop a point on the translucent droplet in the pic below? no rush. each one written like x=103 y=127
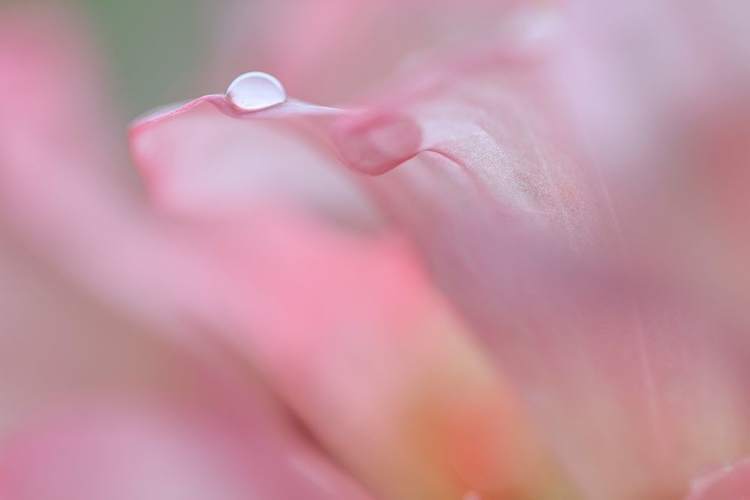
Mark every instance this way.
x=255 y=91
x=471 y=495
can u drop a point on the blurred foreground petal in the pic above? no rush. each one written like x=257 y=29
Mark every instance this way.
x=65 y=206
x=330 y=51
x=376 y=363
x=731 y=482
x=149 y=451
x=349 y=331
x=477 y=159
x=211 y=174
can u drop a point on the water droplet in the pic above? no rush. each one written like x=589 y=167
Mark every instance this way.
x=471 y=495
x=255 y=91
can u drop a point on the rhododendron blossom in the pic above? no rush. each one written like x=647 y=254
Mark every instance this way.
x=445 y=250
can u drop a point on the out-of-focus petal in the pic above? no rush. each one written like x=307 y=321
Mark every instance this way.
x=516 y=219
x=641 y=74
x=658 y=90
x=405 y=322
x=125 y=451
x=289 y=293
x=198 y=164
x=59 y=348
x=332 y=50
x=487 y=172
x=57 y=344
x=730 y=482
x=64 y=190
x=375 y=362
x=360 y=362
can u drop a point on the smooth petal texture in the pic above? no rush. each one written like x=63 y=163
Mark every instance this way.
x=323 y=351
x=240 y=280
x=288 y=169
x=63 y=187
x=658 y=90
x=57 y=344
x=59 y=347
x=149 y=451
x=63 y=205
x=215 y=429
x=512 y=212
x=374 y=362
x=68 y=203
x=508 y=204
x=362 y=380
x=636 y=72
x=485 y=165
x=57 y=340
x=728 y=483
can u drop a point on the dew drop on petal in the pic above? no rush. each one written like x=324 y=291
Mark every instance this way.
x=255 y=91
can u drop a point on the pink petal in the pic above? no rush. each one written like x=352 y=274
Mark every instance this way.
x=728 y=483
x=283 y=168
x=148 y=451
x=504 y=197
x=502 y=200
x=364 y=414
x=56 y=343
x=329 y=51
x=358 y=344
x=53 y=195
x=657 y=93
x=69 y=201
x=65 y=204
x=276 y=286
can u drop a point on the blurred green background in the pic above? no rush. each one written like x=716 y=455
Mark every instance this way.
x=157 y=47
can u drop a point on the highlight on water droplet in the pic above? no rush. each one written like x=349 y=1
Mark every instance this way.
x=255 y=91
